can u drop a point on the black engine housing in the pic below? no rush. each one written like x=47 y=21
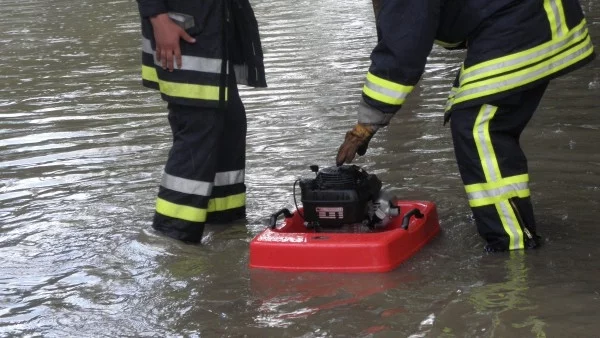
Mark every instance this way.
x=339 y=195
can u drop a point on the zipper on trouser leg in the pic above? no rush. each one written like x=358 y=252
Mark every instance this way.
x=520 y=219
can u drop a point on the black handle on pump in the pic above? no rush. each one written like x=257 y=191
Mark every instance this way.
x=275 y=216
x=414 y=212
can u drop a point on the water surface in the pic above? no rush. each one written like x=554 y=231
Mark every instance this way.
x=82 y=146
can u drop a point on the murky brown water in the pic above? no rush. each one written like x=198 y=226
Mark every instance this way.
x=82 y=146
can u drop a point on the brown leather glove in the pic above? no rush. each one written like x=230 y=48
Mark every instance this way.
x=356 y=142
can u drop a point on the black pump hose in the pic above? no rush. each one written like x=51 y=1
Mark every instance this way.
x=273 y=219
x=414 y=212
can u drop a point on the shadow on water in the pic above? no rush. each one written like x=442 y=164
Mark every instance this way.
x=83 y=144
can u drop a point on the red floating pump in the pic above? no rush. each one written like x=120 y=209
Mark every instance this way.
x=344 y=226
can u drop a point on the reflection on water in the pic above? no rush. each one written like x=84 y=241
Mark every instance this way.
x=507 y=299
x=82 y=145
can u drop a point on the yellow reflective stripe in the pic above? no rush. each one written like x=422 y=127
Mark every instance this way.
x=149 y=74
x=491 y=169
x=183 y=212
x=524 y=178
x=450 y=100
x=480 y=202
x=524 y=58
x=183 y=90
x=556 y=17
x=382 y=98
x=511 y=225
x=563 y=18
x=388 y=84
x=385 y=91
x=193 y=214
x=226 y=203
x=523 y=77
x=483 y=141
x=189 y=91
x=551 y=18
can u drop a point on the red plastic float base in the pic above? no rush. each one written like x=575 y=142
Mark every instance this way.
x=293 y=247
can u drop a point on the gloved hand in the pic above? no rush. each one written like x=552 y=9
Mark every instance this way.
x=356 y=142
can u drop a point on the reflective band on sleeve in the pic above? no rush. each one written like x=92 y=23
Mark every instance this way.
x=229 y=177
x=186 y=186
x=227 y=203
x=183 y=90
x=525 y=58
x=517 y=79
x=385 y=91
x=183 y=212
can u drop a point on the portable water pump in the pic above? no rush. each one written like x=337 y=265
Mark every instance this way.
x=342 y=195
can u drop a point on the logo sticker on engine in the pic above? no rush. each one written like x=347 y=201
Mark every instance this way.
x=330 y=213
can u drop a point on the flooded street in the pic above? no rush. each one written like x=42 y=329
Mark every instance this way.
x=83 y=145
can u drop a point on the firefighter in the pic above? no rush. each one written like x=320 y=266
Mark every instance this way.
x=194 y=53
x=514 y=48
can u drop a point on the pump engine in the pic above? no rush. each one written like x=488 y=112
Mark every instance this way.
x=338 y=196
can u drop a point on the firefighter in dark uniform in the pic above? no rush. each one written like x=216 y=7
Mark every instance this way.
x=195 y=52
x=514 y=48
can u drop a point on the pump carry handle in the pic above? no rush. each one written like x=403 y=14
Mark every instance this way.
x=414 y=212
x=275 y=216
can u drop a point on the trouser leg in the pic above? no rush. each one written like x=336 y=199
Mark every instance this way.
x=187 y=182
x=494 y=170
x=228 y=200
x=204 y=173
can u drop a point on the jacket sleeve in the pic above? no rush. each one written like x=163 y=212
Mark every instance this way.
x=150 y=8
x=406 y=31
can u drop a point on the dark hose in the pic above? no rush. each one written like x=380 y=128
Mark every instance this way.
x=414 y=212
x=275 y=216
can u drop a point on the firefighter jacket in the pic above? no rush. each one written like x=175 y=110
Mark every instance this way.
x=227 y=38
x=511 y=46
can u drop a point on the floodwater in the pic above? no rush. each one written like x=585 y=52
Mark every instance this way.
x=82 y=146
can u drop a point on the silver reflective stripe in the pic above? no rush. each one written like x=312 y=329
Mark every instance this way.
x=193 y=63
x=506 y=216
x=488 y=112
x=475 y=195
x=200 y=64
x=523 y=60
x=147 y=46
x=513 y=81
x=186 y=186
x=384 y=91
x=229 y=177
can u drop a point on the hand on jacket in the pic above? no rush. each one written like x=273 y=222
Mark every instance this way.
x=356 y=142
x=167 y=35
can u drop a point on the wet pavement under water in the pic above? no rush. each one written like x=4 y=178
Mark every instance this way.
x=82 y=146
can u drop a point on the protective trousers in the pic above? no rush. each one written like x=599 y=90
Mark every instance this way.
x=493 y=168
x=203 y=179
